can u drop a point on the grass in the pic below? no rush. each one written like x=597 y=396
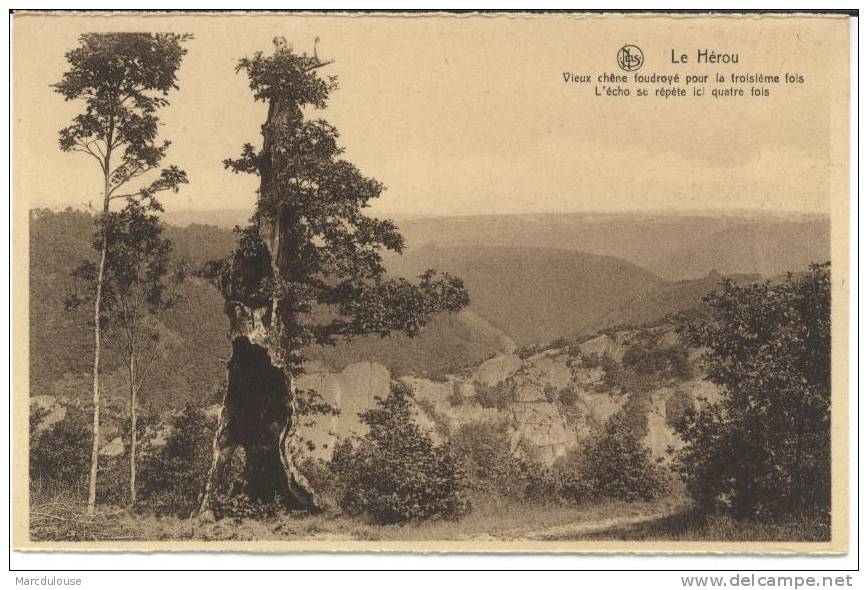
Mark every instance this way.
x=58 y=518
x=495 y=518
x=53 y=519
x=691 y=525
x=666 y=519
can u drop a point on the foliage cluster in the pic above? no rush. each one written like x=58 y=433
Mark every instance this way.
x=395 y=473
x=646 y=364
x=765 y=446
x=611 y=464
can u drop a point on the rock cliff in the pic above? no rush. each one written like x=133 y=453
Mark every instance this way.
x=550 y=401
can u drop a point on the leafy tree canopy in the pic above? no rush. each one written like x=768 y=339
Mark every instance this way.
x=764 y=447
x=311 y=251
x=124 y=79
x=140 y=279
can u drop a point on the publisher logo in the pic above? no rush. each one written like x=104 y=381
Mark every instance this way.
x=630 y=58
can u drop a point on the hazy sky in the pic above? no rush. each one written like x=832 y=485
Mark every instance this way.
x=472 y=115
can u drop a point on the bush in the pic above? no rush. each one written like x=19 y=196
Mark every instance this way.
x=615 y=464
x=677 y=406
x=525 y=352
x=612 y=464
x=498 y=396
x=482 y=449
x=765 y=447
x=239 y=506
x=173 y=476
x=60 y=455
x=645 y=365
x=395 y=473
x=322 y=480
x=456 y=398
x=491 y=467
x=574 y=487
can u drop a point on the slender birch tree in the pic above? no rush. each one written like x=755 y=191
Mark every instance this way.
x=140 y=286
x=123 y=79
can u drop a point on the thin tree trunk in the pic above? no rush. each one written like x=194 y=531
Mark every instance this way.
x=97 y=341
x=133 y=433
x=97 y=304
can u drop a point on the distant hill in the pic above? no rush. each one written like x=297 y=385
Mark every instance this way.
x=521 y=293
x=766 y=248
x=446 y=345
x=672 y=246
x=666 y=299
x=222 y=218
x=61 y=345
x=532 y=294
x=61 y=342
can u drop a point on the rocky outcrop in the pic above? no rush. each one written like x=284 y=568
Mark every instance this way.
x=51 y=409
x=550 y=401
x=353 y=390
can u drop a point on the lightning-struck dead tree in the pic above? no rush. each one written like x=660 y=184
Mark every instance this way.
x=307 y=270
x=123 y=79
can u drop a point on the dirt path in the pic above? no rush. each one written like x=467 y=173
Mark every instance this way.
x=577 y=529
x=574 y=530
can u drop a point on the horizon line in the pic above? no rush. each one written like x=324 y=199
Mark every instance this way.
x=590 y=212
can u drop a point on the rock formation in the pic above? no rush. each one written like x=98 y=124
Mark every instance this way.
x=539 y=420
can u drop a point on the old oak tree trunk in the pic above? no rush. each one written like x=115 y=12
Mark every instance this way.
x=307 y=270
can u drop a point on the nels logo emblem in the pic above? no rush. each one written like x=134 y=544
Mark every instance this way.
x=630 y=58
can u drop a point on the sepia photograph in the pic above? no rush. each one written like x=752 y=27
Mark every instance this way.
x=430 y=282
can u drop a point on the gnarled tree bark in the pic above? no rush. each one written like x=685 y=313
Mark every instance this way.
x=258 y=415
x=259 y=412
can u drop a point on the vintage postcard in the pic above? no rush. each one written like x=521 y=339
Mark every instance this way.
x=523 y=282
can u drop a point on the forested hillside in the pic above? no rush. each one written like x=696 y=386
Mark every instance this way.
x=533 y=294
x=191 y=366
x=520 y=296
x=672 y=246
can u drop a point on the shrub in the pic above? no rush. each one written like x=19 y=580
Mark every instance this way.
x=568 y=397
x=574 y=485
x=482 y=449
x=586 y=360
x=239 y=506
x=395 y=473
x=613 y=374
x=322 y=479
x=490 y=466
x=616 y=464
x=612 y=464
x=677 y=405
x=764 y=447
x=60 y=455
x=498 y=396
x=644 y=366
x=538 y=483
x=113 y=479
x=456 y=398
x=37 y=415
x=525 y=352
x=173 y=476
